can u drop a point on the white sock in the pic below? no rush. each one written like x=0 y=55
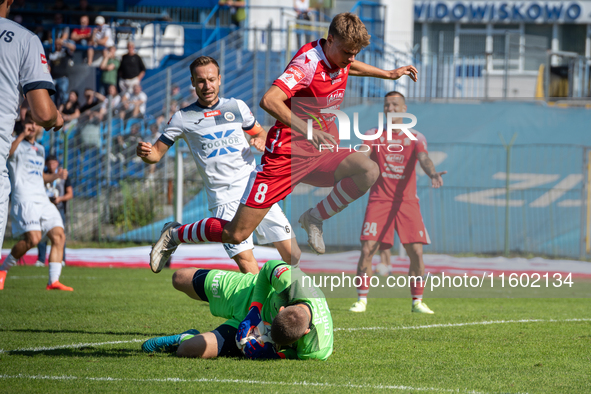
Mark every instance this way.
x=362 y=298
x=8 y=262
x=55 y=270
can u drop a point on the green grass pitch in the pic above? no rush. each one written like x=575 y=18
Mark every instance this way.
x=89 y=341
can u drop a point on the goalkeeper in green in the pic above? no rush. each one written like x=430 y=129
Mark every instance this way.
x=301 y=324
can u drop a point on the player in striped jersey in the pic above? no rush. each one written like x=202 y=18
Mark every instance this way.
x=213 y=128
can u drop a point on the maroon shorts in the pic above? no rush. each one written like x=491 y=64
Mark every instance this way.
x=278 y=174
x=383 y=217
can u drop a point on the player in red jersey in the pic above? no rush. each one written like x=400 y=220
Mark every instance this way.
x=394 y=205
x=319 y=69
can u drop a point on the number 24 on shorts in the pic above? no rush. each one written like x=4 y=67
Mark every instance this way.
x=368 y=228
x=260 y=194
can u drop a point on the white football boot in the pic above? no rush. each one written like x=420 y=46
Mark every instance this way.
x=358 y=306
x=163 y=248
x=313 y=227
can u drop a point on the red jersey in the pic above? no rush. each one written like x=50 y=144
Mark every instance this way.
x=398 y=179
x=309 y=74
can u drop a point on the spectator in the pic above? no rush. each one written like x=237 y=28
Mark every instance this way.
x=59 y=31
x=90 y=109
x=134 y=103
x=102 y=36
x=131 y=69
x=71 y=109
x=82 y=36
x=112 y=97
x=109 y=67
x=175 y=93
x=59 y=192
x=61 y=62
x=59 y=5
x=237 y=10
x=302 y=8
x=84 y=7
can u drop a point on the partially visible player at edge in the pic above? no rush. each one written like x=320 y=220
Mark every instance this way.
x=394 y=205
x=301 y=321
x=319 y=69
x=212 y=127
x=24 y=72
x=33 y=215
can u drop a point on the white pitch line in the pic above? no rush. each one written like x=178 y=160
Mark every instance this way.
x=71 y=346
x=239 y=381
x=447 y=325
x=482 y=323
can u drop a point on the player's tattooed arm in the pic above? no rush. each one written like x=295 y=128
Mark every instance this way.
x=429 y=168
x=360 y=69
x=149 y=153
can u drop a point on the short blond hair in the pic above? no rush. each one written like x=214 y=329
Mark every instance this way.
x=349 y=28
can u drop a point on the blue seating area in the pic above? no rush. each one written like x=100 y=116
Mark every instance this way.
x=87 y=156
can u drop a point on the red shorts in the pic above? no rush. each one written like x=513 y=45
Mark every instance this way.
x=278 y=174
x=383 y=217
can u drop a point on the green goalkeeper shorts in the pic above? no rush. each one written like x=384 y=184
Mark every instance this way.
x=229 y=293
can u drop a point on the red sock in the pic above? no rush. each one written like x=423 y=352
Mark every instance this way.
x=344 y=192
x=205 y=230
x=363 y=289
x=417 y=288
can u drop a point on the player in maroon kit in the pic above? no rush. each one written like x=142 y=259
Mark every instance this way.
x=319 y=70
x=394 y=205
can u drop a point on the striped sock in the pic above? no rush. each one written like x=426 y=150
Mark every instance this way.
x=205 y=230
x=416 y=290
x=363 y=289
x=9 y=261
x=344 y=192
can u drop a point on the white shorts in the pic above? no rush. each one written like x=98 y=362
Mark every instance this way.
x=273 y=228
x=34 y=216
x=4 y=202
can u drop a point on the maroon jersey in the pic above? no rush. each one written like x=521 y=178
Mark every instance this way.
x=309 y=74
x=398 y=179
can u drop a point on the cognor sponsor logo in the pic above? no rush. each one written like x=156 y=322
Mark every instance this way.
x=209 y=114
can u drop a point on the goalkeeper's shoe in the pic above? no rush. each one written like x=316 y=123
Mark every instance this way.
x=58 y=286
x=167 y=344
x=421 y=307
x=165 y=246
x=313 y=227
x=358 y=306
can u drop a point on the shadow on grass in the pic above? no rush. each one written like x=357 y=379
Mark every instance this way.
x=50 y=331
x=83 y=352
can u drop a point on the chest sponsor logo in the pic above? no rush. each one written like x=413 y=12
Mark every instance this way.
x=209 y=114
x=395 y=159
x=336 y=74
x=220 y=143
x=292 y=76
x=337 y=95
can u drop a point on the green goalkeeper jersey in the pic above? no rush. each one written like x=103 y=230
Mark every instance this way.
x=231 y=294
